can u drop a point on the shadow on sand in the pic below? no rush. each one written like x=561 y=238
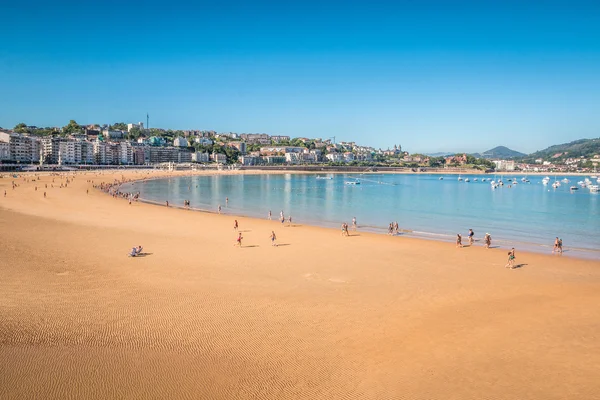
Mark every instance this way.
x=143 y=255
x=519 y=266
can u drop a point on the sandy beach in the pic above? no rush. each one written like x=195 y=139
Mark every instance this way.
x=320 y=316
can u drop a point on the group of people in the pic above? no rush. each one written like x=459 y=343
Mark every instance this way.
x=487 y=239
x=393 y=228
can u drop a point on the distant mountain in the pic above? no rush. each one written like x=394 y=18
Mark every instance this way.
x=577 y=148
x=440 y=154
x=502 y=152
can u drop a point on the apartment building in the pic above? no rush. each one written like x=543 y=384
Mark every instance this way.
x=4 y=151
x=21 y=148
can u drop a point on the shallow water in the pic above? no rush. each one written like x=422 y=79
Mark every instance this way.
x=526 y=215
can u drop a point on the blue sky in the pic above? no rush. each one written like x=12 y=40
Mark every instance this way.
x=432 y=76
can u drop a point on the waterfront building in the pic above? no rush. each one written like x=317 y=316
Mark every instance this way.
x=504 y=165
x=201 y=157
x=218 y=158
x=4 y=151
x=21 y=148
x=249 y=160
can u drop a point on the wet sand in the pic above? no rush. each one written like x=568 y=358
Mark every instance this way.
x=318 y=317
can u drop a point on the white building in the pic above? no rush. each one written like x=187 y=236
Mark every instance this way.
x=4 y=151
x=201 y=157
x=219 y=158
x=504 y=165
x=279 y=139
x=334 y=157
x=180 y=142
x=113 y=134
x=293 y=158
x=125 y=153
x=204 y=141
x=66 y=152
x=22 y=149
x=138 y=125
x=248 y=160
x=100 y=152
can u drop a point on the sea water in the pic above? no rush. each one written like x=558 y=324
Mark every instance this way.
x=524 y=215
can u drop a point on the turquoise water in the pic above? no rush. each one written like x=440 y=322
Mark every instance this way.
x=527 y=215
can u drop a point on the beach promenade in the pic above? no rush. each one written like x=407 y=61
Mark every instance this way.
x=320 y=316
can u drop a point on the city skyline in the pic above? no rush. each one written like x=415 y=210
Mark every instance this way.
x=434 y=77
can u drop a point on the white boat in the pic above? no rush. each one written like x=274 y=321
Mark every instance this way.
x=441 y=178
x=483 y=179
x=474 y=179
x=556 y=184
x=565 y=180
x=324 y=177
x=466 y=179
x=523 y=179
x=352 y=183
x=545 y=180
x=594 y=188
x=460 y=178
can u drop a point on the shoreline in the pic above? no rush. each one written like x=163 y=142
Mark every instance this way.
x=528 y=247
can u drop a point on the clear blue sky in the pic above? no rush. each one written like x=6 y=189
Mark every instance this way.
x=432 y=76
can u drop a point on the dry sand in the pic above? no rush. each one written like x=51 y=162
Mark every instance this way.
x=319 y=317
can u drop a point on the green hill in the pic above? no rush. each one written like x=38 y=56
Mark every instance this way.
x=577 y=148
x=502 y=152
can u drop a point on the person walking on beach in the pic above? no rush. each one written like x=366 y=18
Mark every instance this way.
x=487 y=240
x=396 y=229
x=354 y=223
x=273 y=238
x=471 y=237
x=167 y=203
x=391 y=228
x=226 y=201
x=239 y=240
x=44 y=194
x=269 y=215
x=560 y=246
x=289 y=220
x=219 y=209
x=511 y=259
x=235 y=225
x=555 y=248
x=458 y=240
x=282 y=219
